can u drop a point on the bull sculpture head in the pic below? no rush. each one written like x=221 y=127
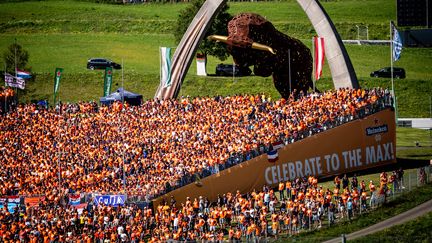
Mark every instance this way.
x=252 y=40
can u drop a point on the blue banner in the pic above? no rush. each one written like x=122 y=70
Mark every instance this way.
x=110 y=200
x=12 y=203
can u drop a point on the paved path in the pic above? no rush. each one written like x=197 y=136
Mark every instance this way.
x=404 y=217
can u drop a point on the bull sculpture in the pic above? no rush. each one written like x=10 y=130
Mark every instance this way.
x=252 y=40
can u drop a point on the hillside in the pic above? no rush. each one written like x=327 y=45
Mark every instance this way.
x=67 y=33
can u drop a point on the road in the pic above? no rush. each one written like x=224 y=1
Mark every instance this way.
x=411 y=214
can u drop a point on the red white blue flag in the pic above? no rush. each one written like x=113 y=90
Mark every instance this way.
x=277 y=145
x=74 y=199
x=272 y=156
x=22 y=74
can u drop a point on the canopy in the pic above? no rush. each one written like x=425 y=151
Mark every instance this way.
x=129 y=97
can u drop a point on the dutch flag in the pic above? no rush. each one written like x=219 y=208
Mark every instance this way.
x=22 y=74
x=272 y=156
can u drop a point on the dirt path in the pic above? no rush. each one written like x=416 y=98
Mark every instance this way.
x=404 y=217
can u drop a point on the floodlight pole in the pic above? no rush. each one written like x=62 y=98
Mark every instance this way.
x=391 y=62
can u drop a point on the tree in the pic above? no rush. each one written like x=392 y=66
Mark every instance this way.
x=218 y=27
x=15 y=53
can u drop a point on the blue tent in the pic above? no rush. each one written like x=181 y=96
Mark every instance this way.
x=129 y=97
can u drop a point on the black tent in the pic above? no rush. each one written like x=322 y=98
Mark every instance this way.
x=129 y=97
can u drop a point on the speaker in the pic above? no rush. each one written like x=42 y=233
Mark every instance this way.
x=414 y=12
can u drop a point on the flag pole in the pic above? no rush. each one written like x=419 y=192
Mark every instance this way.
x=122 y=134
x=313 y=64
x=233 y=70
x=16 y=75
x=15 y=59
x=391 y=69
x=58 y=144
x=289 y=69
x=5 y=66
x=391 y=61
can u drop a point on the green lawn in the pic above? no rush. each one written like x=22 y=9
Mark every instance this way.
x=417 y=230
x=408 y=136
x=67 y=33
x=75 y=16
x=424 y=153
x=395 y=207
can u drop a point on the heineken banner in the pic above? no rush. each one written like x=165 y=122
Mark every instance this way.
x=57 y=76
x=107 y=81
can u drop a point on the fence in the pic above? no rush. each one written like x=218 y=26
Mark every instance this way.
x=412 y=179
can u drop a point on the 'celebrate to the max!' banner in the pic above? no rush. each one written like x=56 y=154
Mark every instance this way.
x=334 y=163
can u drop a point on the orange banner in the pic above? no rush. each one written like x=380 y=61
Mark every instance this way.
x=354 y=146
x=33 y=201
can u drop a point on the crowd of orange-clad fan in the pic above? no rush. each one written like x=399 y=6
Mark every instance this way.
x=6 y=98
x=154 y=146
x=292 y=207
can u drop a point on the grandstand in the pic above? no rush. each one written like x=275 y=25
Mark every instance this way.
x=148 y=151
x=224 y=168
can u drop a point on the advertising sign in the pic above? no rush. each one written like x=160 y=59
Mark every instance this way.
x=110 y=200
x=10 y=202
x=354 y=146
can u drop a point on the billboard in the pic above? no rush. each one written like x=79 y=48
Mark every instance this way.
x=110 y=200
x=11 y=203
x=354 y=146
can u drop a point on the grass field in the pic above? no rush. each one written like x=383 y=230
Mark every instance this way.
x=67 y=33
x=72 y=16
x=407 y=137
x=417 y=230
x=395 y=207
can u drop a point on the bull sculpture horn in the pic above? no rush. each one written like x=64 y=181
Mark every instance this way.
x=255 y=45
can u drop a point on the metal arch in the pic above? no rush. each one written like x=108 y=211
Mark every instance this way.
x=185 y=51
x=341 y=68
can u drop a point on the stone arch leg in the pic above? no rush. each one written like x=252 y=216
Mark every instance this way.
x=185 y=51
x=341 y=68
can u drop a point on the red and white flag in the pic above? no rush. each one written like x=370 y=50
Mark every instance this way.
x=319 y=56
x=277 y=145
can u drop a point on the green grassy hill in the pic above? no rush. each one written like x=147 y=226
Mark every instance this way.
x=67 y=33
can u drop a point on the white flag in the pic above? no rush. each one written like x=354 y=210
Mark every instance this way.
x=165 y=76
x=14 y=82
